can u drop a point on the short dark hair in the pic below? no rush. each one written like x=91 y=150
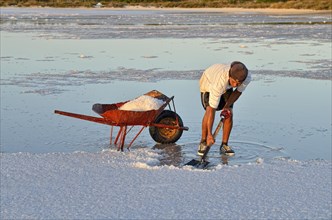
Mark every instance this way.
x=238 y=71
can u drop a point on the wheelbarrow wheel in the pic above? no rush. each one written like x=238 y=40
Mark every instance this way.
x=166 y=135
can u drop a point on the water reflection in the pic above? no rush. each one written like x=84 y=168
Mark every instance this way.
x=172 y=154
x=259 y=117
x=22 y=55
x=245 y=152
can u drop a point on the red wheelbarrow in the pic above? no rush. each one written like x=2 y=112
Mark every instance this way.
x=165 y=126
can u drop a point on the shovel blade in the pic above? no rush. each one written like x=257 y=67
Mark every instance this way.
x=198 y=163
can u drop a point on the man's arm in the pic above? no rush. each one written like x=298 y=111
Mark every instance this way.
x=232 y=98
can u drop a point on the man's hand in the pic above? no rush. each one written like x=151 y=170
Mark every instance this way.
x=226 y=112
x=210 y=140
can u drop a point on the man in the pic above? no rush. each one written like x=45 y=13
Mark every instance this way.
x=220 y=86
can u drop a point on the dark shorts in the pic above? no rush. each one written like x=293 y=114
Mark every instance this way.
x=205 y=99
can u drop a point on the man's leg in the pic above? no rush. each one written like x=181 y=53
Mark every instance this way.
x=205 y=103
x=228 y=122
x=228 y=125
x=204 y=128
x=225 y=148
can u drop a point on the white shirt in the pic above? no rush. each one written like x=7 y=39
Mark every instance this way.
x=215 y=80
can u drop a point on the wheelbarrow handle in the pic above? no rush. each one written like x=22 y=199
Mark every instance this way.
x=83 y=117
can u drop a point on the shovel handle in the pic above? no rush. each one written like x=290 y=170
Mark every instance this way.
x=219 y=126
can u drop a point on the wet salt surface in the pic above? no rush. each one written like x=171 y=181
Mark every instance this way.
x=285 y=111
x=113 y=185
x=106 y=24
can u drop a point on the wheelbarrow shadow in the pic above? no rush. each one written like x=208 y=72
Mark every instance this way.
x=171 y=154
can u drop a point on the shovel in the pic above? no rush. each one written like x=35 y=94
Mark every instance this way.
x=202 y=162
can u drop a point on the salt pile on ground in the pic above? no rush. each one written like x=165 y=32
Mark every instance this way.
x=131 y=185
x=142 y=103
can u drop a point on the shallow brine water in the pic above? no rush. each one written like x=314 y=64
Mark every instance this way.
x=70 y=59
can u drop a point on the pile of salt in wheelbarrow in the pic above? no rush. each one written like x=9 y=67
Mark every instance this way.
x=148 y=110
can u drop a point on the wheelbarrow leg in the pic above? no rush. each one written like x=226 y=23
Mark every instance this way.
x=123 y=137
x=118 y=135
x=140 y=131
x=111 y=135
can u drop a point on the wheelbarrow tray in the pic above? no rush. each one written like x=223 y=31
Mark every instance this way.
x=114 y=116
x=117 y=117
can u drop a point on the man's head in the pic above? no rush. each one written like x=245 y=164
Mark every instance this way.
x=237 y=73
